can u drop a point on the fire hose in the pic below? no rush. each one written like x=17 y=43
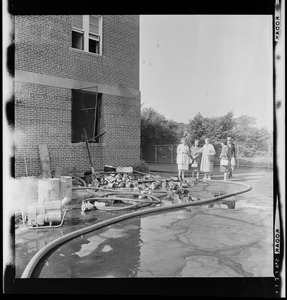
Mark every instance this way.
x=139 y=202
x=28 y=272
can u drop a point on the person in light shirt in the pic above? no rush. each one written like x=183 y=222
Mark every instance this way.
x=195 y=165
x=182 y=159
x=225 y=154
x=207 y=159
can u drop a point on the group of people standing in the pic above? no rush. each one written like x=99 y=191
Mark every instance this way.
x=200 y=159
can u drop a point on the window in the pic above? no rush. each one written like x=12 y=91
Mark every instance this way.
x=87 y=33
x=86 y=113
x=78 y=32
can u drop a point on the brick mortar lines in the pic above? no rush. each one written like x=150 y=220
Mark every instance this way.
x=114 y=67
x=41 y=107
x=108 y=68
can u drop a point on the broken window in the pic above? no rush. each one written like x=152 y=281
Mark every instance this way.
x=86 y=112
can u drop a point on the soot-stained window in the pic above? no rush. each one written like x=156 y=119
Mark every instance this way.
x=86 y=114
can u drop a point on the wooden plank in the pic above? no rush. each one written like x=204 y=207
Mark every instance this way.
x=45 y=160
x=88 y=148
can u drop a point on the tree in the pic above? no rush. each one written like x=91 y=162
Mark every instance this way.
x=156 y=129
x=197 y=128
x=244 y=129
x=252 y=140
x=221 y=127
x=216 y=128
x=182 y=130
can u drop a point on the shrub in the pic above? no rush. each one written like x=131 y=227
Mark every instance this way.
x=141 y=167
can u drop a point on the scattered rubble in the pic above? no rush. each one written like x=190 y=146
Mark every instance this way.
x=129 y=188
x=112 y=190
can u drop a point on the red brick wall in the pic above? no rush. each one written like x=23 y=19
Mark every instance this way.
x=43 y=113
x=122 y=124
x=43 y=45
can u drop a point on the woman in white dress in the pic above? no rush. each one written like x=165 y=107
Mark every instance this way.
x=208 y=153
x=182 y=159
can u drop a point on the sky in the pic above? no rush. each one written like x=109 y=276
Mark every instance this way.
x=212 y=64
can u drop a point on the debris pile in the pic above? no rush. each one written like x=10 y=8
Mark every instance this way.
x=132 y=189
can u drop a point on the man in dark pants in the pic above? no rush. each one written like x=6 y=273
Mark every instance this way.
x=232 y=155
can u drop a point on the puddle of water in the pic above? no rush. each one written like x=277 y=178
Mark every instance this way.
x=113 y=233
x=107 y=248
x=193 y=242
x=93 y=244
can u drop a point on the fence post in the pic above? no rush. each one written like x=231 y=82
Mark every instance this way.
x=171 y=153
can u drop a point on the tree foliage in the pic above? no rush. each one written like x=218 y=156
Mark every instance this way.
x=157 y=130
x=215 y=128
x=252 y=140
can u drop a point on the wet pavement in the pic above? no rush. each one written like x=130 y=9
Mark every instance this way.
x=198 y=241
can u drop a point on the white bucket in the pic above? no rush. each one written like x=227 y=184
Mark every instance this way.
x=53 y=205
x=66 y=188
x=48 y=190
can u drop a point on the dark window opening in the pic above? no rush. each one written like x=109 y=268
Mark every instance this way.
x=94 y=46
x=78 y=40
x=86 y=114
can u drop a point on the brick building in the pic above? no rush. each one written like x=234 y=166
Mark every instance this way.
x=76 y=76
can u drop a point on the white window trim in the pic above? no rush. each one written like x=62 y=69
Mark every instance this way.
x=78 y=30
x=86 y=32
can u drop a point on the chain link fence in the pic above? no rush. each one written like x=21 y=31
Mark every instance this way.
x=246 y=155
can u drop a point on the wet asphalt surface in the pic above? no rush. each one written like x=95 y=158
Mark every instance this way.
x=97 y=254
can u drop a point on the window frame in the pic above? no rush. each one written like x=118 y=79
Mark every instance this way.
x=86 y=33
x=97 y=115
